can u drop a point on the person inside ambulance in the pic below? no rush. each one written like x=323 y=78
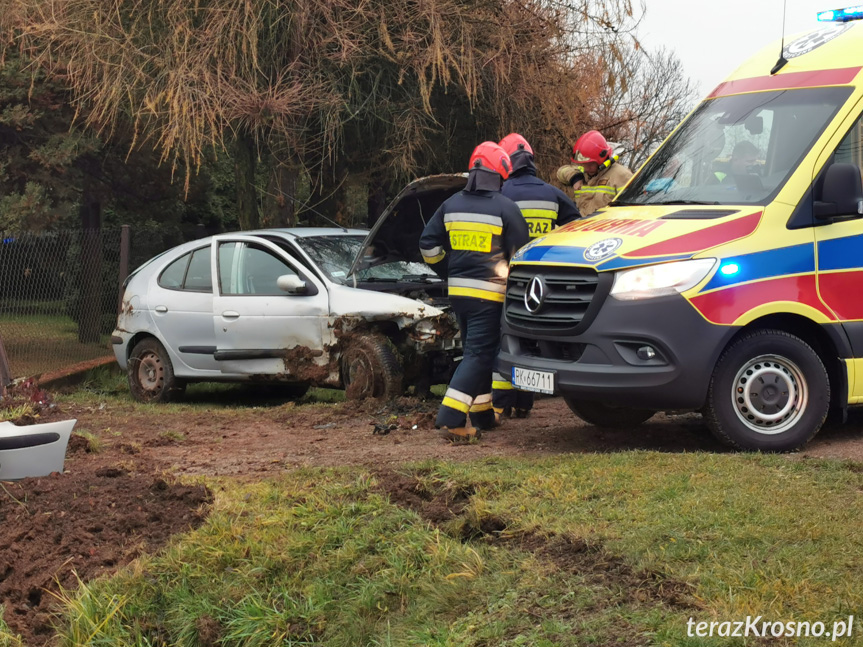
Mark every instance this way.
x=544 y=208
x=595 y=175
x=476 y=232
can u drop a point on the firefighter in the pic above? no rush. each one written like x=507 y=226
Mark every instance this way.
x=473 y=234
x=544 y=207
x=595 y=174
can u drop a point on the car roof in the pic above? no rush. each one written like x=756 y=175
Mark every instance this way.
x=305 y=232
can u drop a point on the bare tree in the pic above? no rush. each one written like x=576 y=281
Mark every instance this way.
x=648 y=95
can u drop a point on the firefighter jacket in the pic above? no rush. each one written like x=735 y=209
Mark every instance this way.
x=477 y=232
x=543 y=206
x=600 y=189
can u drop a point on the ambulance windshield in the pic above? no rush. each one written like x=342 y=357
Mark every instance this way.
x=738 y=149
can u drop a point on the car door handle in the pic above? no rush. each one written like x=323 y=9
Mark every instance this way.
x=161 y=309
x=231 y=314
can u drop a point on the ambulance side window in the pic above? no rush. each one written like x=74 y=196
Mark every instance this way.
x=850 y=151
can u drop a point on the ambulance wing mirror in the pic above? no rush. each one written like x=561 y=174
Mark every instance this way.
x=842 y=194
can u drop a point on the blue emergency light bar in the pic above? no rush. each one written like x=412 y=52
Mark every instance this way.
x=842 y=15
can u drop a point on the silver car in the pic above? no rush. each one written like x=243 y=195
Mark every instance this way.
x=301 y=307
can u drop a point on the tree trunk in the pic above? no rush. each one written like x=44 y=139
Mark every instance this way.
x=328 y=202
x=377 y=199
x=244 y=173
x=280 y=205
x=89 y=311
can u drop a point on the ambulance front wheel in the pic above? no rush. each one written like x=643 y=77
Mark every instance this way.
x=769 y=392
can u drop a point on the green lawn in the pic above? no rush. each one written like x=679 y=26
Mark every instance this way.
x=37 y=343
x=577 y=550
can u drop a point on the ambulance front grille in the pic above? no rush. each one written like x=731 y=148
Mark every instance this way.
x=567 y=293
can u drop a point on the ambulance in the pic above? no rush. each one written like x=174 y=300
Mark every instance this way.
x=727 y=276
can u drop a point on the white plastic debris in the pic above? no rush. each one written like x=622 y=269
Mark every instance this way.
x=33 y=450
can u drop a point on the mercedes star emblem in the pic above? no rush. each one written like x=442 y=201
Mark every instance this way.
x=534 y=295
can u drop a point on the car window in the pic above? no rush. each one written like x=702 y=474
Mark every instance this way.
x=850 y=151
x=199 y=276
x=246 y=269
x=172 y=276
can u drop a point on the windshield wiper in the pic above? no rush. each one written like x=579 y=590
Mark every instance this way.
x=377 y=279
x=685 y=202
x=421 y=278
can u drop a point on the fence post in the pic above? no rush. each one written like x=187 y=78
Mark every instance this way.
x=124 y=263
x=5 y=371
x=90 y=307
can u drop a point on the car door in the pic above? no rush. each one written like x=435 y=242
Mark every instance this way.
x=840 y=248
x=182 y=308
x=255 y=322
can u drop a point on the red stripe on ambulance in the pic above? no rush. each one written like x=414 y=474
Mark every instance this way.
x=700 y=240
x=812 y=79
x=726 y=306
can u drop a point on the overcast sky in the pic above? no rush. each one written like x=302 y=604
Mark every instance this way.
x=713 y=38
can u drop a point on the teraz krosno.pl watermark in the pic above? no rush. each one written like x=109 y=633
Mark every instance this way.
x=758 y=627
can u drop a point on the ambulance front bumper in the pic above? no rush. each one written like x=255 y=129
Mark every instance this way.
x=657 y=354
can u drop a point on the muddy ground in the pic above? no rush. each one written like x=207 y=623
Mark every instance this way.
x=109 y=506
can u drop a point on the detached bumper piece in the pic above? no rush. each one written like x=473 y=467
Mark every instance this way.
x=33 y=450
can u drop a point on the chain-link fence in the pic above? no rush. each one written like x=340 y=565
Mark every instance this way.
x=58 y=296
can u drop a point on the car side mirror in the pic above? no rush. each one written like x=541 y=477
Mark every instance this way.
x=842 y=194
x=292 y=284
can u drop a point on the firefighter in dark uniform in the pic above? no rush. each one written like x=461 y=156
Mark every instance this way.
x=472 y=236
x=544 y=208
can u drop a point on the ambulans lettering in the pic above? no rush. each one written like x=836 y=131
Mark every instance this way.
x=624 y=227
x=470 y=241
x=815 y=39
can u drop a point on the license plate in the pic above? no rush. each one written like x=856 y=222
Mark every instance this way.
x=530 y=380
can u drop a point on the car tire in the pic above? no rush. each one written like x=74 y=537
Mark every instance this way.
x=600 y=414
x=371 y=368
x=151 y=374
x=769 y=392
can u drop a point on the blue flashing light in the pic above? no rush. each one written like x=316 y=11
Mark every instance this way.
x=7 y=241
x=729 y=269
x=842 y=15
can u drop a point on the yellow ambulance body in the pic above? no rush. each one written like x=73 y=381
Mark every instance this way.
x=727 y=276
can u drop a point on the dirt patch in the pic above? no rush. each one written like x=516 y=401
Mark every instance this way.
x=86 y=522
x=587 y=559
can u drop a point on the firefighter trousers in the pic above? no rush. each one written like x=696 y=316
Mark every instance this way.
x=469 y=390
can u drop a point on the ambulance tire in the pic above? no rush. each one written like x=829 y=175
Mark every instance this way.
x=769 y=392
x=603 y=415
x=371 y=369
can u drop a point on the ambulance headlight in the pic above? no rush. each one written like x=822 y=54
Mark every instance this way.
x=660 y=280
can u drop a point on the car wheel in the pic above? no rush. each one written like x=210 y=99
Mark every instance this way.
x=769 y=392
x=371 y=369
x=606 y=415
x=151 y=374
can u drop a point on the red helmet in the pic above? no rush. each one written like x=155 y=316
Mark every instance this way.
x=491 y=157
x=515 y=143
x=591 y=147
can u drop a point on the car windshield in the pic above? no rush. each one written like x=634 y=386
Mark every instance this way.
x=737 y=149
x=335 y=254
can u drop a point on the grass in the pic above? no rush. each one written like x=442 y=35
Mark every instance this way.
x=7 y=638
x=41 y=342
x=325 y=557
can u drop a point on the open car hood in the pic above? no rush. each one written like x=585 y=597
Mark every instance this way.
x=396 y=234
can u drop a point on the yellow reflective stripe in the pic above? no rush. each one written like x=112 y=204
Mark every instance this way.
x=476 y=408
x=545 y=205
x=477 y=294
x=460 y=282
x=501 y=386
x=455 y=404
x=545 y=214
x=474 y=226
x=589 y=190
x=431 y=260
x=482 y=399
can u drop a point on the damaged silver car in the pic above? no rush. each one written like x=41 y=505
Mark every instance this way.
x=344 y=308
